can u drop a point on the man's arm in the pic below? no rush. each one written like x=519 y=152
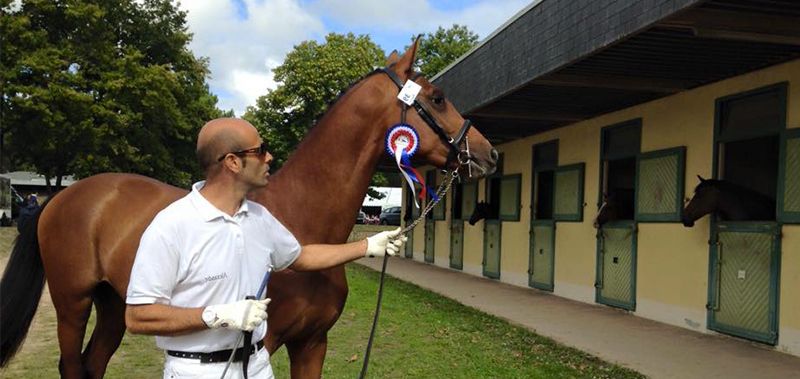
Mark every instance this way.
x=163 y=320
x=320 y=257
x=166 y=320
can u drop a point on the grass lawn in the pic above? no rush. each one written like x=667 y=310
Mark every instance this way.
x=420 y=335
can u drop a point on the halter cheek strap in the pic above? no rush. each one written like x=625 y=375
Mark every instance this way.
x=453 y=143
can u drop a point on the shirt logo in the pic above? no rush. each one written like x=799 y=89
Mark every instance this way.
x=212 y=278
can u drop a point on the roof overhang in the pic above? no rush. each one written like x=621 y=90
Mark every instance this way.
x=562 y=61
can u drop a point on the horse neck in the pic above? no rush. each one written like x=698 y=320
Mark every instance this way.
x=318 y=191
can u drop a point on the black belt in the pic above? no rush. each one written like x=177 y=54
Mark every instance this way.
x=215 y=356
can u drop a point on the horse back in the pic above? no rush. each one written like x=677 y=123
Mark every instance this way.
x=90 y=231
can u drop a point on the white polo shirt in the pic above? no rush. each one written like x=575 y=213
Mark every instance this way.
x=194 y=255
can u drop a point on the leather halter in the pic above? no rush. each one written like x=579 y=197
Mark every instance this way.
x=460 y=156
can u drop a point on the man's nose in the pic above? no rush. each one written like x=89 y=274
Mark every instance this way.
x=268 y=158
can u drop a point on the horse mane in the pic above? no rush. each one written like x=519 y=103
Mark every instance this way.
x=333 y=102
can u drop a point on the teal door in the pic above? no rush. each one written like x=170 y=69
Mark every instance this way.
x=491 y=248
x=616 y=265
x=465 y=195
x=542 y=255
x=457 y=244
x=430 y=238
x=743 y=290
x=410 y=214
x=409 y=248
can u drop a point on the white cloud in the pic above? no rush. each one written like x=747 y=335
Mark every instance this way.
x=244 y=48
x=419 y=16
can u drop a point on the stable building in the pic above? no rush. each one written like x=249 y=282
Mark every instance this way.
x=594 y=102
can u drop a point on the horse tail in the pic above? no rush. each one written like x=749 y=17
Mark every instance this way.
x=21 y=286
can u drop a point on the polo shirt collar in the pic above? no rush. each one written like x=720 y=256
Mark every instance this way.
x=208 y=212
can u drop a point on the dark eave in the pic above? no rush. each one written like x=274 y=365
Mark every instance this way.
x=564 y=61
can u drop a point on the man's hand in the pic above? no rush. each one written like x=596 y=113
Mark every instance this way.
x=243 y=315
x=383 y=243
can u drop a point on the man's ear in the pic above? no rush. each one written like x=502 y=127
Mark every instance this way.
x=232 y=163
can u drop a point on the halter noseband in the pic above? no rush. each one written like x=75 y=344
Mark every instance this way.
x=461 y=156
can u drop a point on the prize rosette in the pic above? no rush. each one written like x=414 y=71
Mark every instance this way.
x=402 y=142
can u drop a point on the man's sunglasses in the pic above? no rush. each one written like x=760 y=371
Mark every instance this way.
x=259 y=150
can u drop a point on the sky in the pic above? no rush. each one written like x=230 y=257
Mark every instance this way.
x=245 y=40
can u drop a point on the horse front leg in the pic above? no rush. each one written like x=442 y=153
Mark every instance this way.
x=306 y=357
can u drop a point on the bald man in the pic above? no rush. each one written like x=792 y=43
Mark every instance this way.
x=203 y=254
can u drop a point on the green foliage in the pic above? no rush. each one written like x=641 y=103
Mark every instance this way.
x=310 y=78
x=94 y=86
x=438 y=49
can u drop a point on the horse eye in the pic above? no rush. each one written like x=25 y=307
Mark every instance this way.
x=438 y=100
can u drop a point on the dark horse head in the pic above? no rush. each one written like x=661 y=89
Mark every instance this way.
x=617 y=205
x=482 y=210
x=732 y=202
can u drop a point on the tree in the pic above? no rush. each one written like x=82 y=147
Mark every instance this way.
x=109 y=85
x=438 y=49
x=310 y=78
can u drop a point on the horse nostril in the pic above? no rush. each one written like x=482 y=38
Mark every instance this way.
x=494 y=154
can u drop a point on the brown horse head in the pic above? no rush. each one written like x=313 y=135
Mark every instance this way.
x=617 y=205
x=704 y=201
x=482 y=210
x=732 y=202
x=434 y=147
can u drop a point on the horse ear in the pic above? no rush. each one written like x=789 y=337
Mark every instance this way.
x=406 y=63
x=393 y=58
x=701 y=178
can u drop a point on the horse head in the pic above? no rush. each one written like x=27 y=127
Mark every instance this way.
x=618 y=204
x=605 y=213
x=482 y=210
x=704 y=201
x=446 y=139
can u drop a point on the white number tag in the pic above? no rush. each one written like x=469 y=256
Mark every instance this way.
x=409 y=92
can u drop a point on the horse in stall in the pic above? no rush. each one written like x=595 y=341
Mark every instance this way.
x=617 y=205
x=482 y=210
x=84 y=240
x=730 y=201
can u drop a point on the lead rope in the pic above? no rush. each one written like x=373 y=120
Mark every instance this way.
x=440 y=193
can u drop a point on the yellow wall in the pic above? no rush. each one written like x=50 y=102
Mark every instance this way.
x=789 y=316
x=672 y=267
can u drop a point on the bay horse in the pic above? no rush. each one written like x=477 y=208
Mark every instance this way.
x=617 y=205
x=84 y=240
x=482 y=210
x=730 y=201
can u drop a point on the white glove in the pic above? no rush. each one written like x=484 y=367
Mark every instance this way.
x=389 y=242
x=243 y=315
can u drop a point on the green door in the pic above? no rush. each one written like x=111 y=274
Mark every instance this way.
x=410 y=214
x=465 y=195
x=430 y=237
x=409 y=248
x=616 y=265
x=542 y=241
x=491 y=248
x=457 y=245
x=743 y=291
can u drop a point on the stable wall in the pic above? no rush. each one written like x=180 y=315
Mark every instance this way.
x=672 y=267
